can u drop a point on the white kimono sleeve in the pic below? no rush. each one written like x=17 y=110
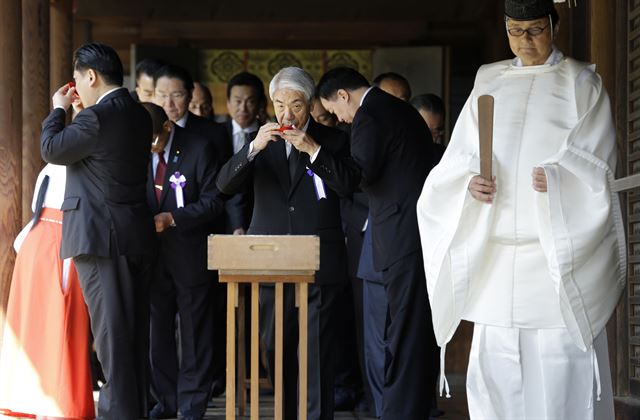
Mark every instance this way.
x=581 y=227
x=452 y=224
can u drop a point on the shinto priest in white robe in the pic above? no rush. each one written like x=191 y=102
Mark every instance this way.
x=536 y=272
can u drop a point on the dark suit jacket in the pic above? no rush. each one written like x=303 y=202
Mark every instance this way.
x=392 y=145
x=240 y=206
x=285 y=207
x=212 y=131
x=106 y=151
x=186 y=244
x=216 y=134
x=354 y=210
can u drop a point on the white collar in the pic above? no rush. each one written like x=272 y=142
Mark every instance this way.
x=106 y=93
x=365 y=94
x=554 y=58
x=237 y=129
x=183 y=121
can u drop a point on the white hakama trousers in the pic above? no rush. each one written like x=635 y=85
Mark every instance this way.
x=517 y=373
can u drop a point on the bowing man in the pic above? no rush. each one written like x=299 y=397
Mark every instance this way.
x=388 y=143
x=298 y=169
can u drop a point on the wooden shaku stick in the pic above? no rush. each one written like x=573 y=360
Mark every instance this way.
x=485 y=128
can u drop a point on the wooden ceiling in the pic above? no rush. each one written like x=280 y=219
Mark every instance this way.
x=287 y=23
x=289 y=10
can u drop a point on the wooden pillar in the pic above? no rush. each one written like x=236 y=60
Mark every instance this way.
x=61 y=43
x=563 y=40
x=603 y=50
x=35 y=95
x=602 y=44
x=10 y=143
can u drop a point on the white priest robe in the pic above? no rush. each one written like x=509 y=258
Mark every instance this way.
x=529 y=260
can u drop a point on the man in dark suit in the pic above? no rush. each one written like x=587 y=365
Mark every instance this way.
x=173 y=89
x=291 y=199
x=145 y=70
x=388 y=143
x=202 y=102
x=431 y=109
x=245 y=93
x=173 y=92
x=394 y=84
x=374 y=299
x=354 y=210
x=181 y=193
x=107 y=226
x=351 y=386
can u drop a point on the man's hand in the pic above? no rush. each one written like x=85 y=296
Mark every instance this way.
x=64 y=97
x=482 y=189
x=539 y=179
x=239 y=231
x=163 y=221
x=77 y=105
x=266 y=134
x=301 y=141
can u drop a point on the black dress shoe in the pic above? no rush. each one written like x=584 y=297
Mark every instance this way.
x=159 y=412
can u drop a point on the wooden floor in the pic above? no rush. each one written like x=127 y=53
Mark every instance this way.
x=455 y=408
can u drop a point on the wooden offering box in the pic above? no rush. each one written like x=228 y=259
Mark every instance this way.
x=263 y=259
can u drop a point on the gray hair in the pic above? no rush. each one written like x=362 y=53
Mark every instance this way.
x=293 y=78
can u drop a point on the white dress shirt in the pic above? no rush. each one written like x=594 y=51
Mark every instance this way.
x=240 y=134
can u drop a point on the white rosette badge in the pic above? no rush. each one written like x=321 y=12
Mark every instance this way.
x=178 y=181
x=319 y=184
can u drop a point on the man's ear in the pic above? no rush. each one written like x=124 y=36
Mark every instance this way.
x=343 y=95
x=93 y=77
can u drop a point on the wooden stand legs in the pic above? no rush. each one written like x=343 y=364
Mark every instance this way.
x=236 y=302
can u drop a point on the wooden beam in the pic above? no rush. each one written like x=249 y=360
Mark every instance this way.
x=275 y=30
x=288 y=10
x=120 y=33
x=10 y=142
x=35 y=95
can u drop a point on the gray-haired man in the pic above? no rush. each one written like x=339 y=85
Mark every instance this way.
x=298 y=169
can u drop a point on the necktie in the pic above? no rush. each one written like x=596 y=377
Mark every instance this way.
x=158 y=180
x=238 y=141
x=294 y=155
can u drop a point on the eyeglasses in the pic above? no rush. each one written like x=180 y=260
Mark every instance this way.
x=535 y=31
x=175 y=96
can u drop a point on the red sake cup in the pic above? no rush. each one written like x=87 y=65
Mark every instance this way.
x=72 y=85
x=284 y=128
